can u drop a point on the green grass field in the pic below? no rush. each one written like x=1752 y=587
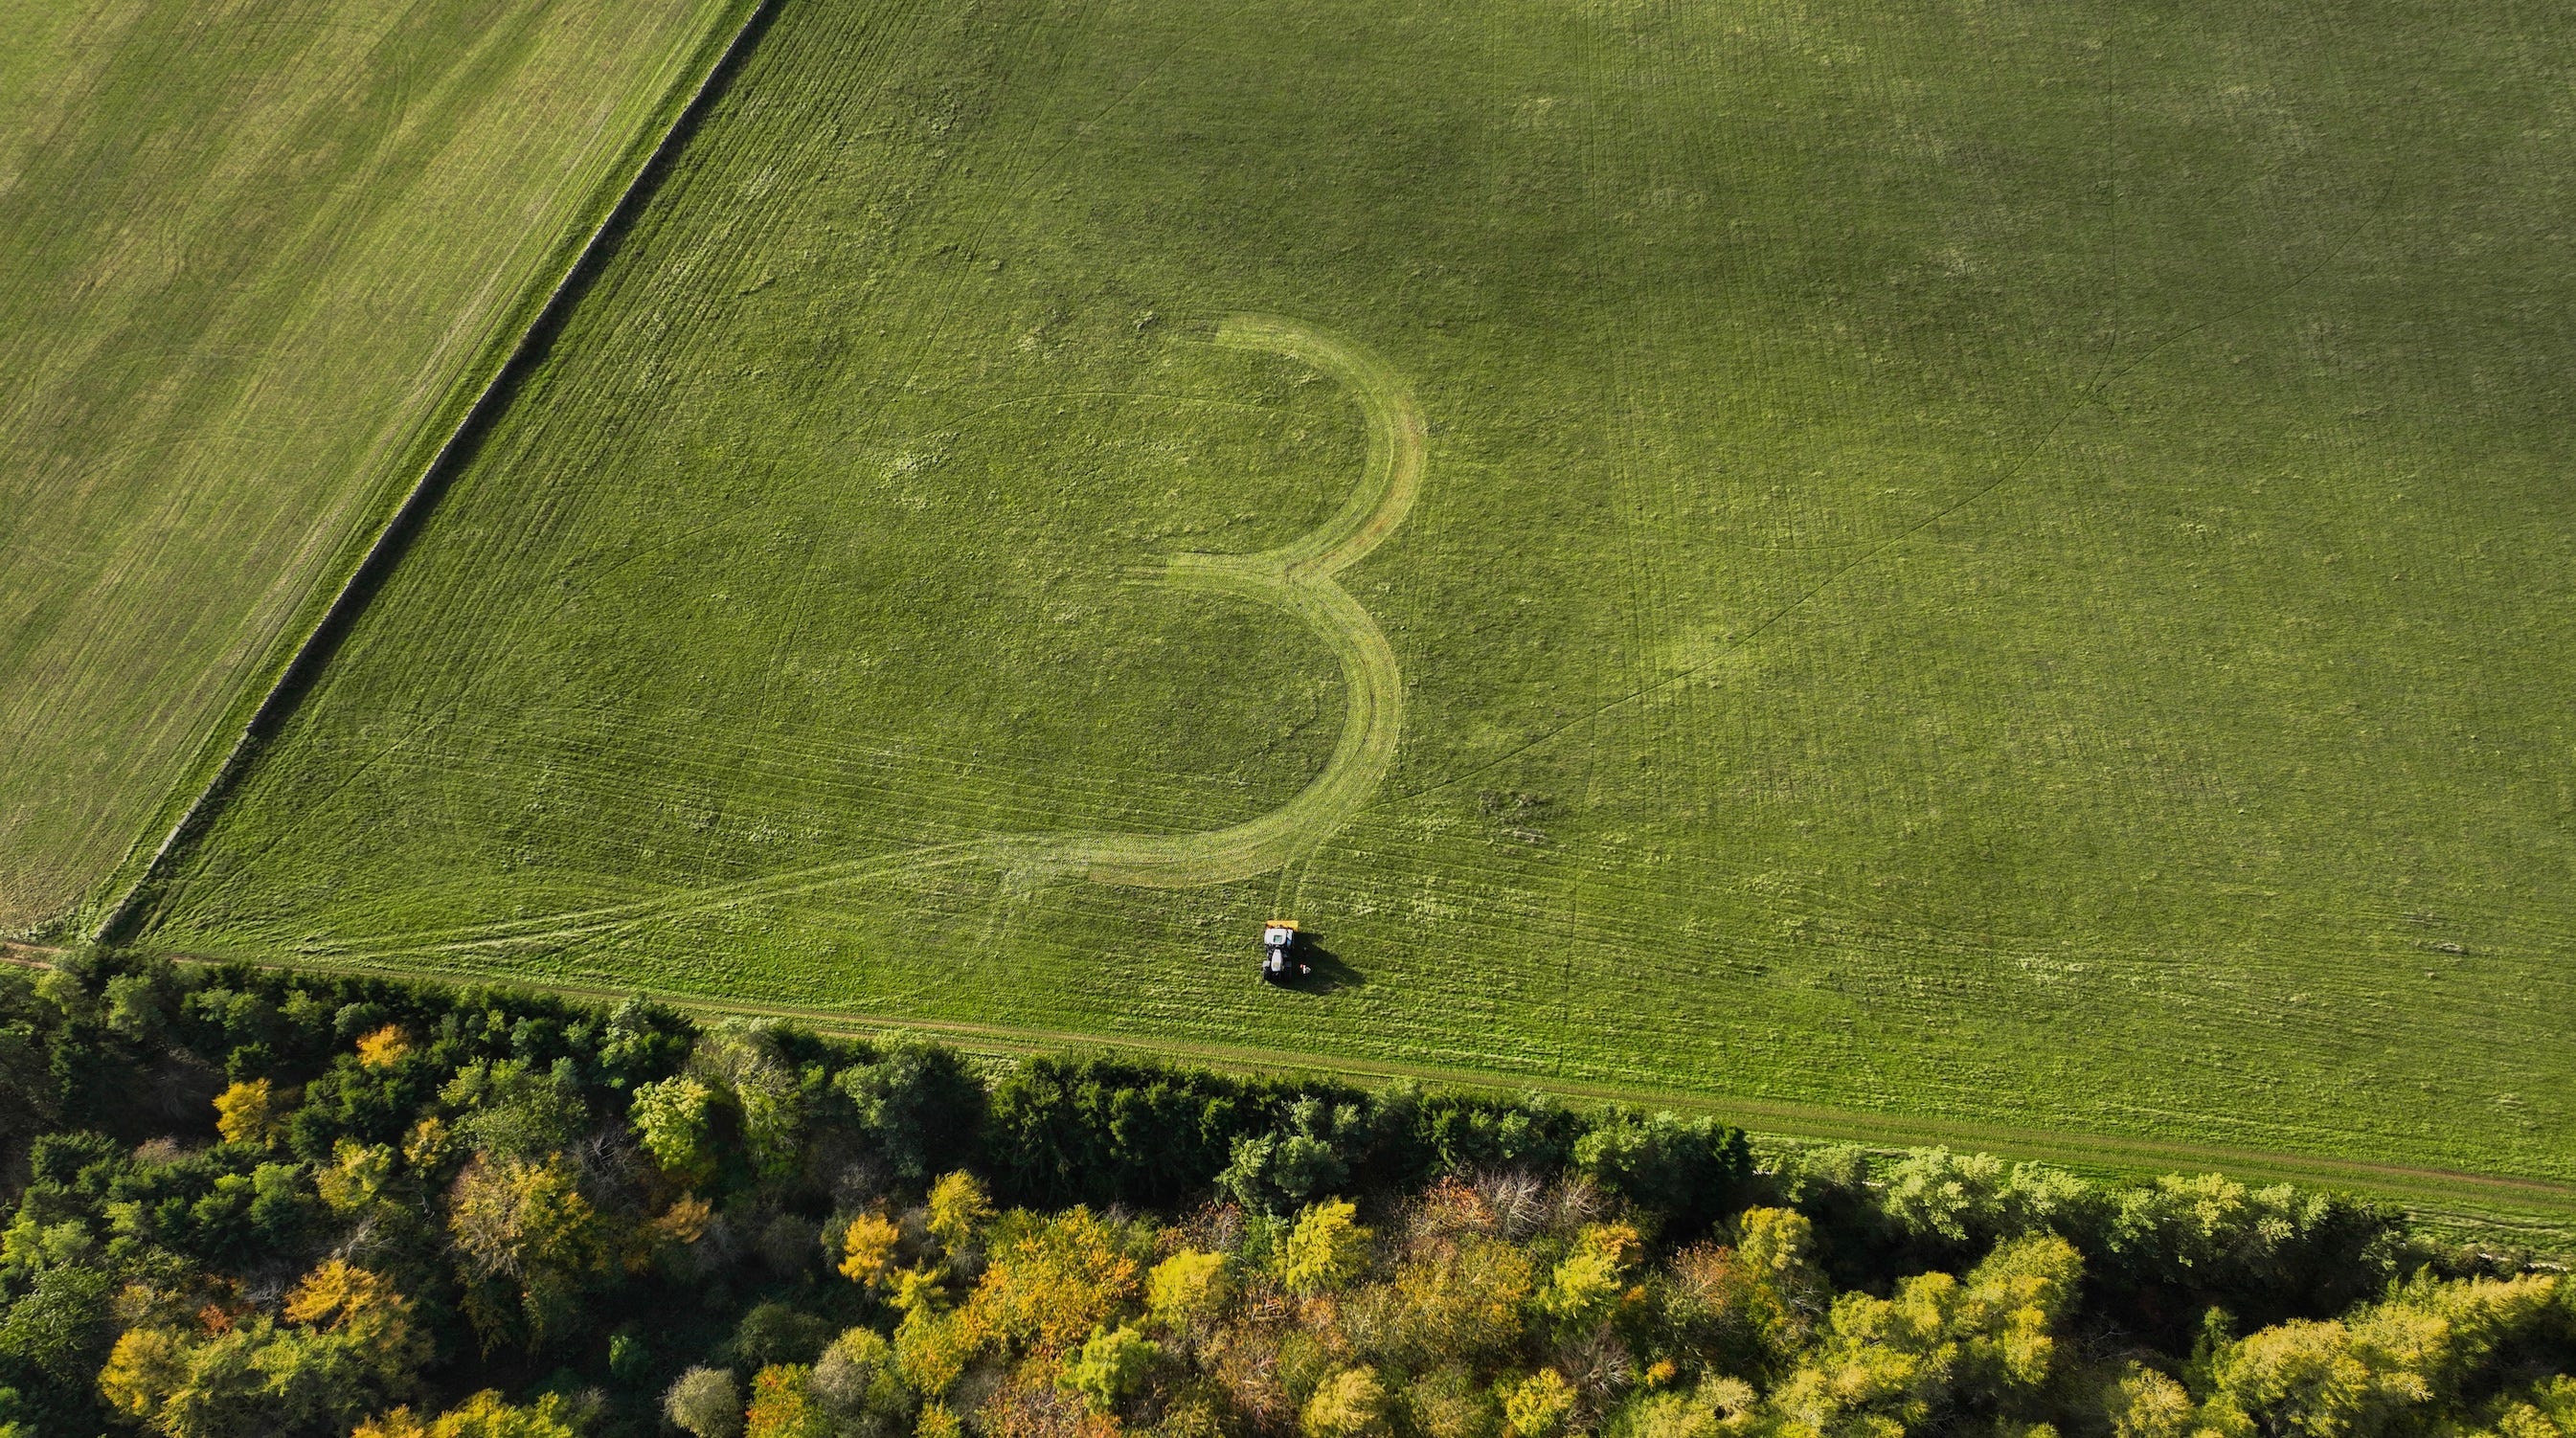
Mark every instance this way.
x=1994 y=564
x=254 y=259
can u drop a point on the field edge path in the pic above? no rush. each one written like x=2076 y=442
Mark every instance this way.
x=2493 y=1198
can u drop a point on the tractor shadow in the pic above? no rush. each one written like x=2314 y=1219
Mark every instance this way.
x=1326 y=973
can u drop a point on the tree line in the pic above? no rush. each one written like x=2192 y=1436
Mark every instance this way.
x=250 y=1201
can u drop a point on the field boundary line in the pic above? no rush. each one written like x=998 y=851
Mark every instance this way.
x=304 y=665
x=2523 y=1196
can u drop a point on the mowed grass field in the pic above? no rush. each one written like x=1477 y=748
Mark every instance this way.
x=2001 y=562
x=254 y=259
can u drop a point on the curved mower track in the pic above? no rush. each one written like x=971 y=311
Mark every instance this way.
x=1296 y=578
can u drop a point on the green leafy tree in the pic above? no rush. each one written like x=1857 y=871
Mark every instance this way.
x=917 y=1107
x=1110 y=1368
x=1977 y=1200
x=1686 y=1168
x=514 y=1110
x=60 y=1328
x=674 y=1122
x=1105 y=1131
x=630 y=1358
x=2263 y=1254
x=766 y=1090
x=641 y=1041
x=142 y=1006
x=858 y=1385
x=1307 y=1156
x=705 y=1402
x=1473 y=1133
x=778 y=1334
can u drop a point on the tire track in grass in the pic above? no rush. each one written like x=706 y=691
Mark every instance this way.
x=1296 y=578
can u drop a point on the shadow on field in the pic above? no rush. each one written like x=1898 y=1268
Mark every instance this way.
x=1327 y=973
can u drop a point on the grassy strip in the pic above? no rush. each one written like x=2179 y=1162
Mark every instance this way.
x=2490 y=1208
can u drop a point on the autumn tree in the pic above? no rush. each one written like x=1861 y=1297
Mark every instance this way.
x=1051 y=1282
x=1351 y=1403
x=1587 y=1283
x=1538 y=1406
x=2383 y=1366
x=347 y=1342
x=247 y=1112
x=958 y=1209
x=1327 y=1248
x=869 y=1250
x=1890 y=1364
x=783 y=1405
x=530 y=1244
x=1187 y=1289
x=484 y=1415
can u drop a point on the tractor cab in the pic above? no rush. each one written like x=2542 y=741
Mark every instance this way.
x=1280 y=961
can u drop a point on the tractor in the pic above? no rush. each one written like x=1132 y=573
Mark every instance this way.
x=1280 y=961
